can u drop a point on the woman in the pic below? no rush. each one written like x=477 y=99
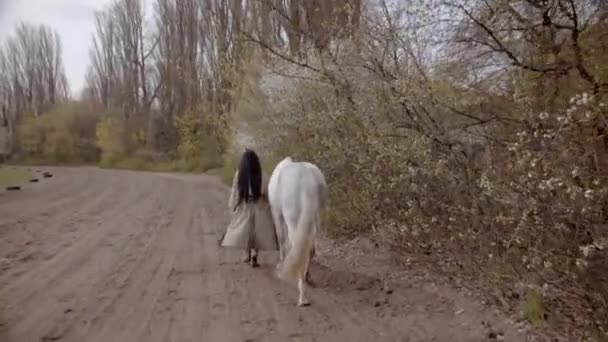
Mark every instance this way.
x=251 y=226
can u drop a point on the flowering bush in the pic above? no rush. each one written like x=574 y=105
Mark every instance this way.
x=527 y=221
x=495 y=183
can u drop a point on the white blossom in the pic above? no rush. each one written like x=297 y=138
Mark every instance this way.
x=586 y=250
x=581 y=263
x=575 y=172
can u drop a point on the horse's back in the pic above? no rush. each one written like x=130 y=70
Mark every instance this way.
x=301 y=178
x=300 y=187
x=312 y=183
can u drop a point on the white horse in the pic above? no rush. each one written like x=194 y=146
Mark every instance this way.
x=297 y=194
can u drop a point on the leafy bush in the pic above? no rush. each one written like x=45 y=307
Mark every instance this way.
x=196 y=150
x=63 y=135
x=110 y=134
x=77 y=132
x=518 y=208
x=32 y=136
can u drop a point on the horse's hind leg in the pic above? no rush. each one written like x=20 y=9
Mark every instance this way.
x=308 y=279
x=281 y=231
x=302 y=299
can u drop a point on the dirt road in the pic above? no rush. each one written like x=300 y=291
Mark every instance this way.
x=100 y=255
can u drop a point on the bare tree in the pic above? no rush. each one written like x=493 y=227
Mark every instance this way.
x=121 y=75
x=32 y=73
x=193 y=57
x=102 y=76
x=543 y=37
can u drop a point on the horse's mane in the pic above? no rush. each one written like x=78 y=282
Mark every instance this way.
x=249 y=183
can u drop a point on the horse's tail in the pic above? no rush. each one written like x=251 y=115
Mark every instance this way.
x=296 y=262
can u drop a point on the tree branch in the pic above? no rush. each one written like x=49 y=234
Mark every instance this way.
x=280 y=55
x=500 y=45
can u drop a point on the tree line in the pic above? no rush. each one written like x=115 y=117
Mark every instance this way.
x=153 y=68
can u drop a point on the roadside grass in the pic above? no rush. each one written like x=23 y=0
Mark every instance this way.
x=10 y=175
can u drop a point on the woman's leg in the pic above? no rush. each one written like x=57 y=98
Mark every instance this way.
x=248 y=259
x=254 y=258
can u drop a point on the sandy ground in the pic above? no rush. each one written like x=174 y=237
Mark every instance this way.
x=101 y=255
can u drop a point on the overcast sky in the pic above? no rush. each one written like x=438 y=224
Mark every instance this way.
x=72 y=19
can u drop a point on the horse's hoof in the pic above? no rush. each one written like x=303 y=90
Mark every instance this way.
x=277 y=271
x=303 y=303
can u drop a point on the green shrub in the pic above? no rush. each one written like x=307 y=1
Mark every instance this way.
x=197 y=150
x=516 y=204
x=32 y=136
x=109 y=135
x=66 y=134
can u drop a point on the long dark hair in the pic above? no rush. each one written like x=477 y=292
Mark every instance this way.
x=250 y=177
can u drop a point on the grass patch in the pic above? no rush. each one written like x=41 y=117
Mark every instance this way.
x=10 y=175
x=216 y=171
x=180 y=165
x=138 y=164
x=40 y=161
x=533 y=307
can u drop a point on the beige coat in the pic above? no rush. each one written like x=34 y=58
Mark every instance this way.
x=251 y=224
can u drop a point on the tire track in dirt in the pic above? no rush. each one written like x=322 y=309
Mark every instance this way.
x=156 y=258
x=42 y=199
x=177 y=308
x=24 y=242
x=54 y=227
x=57 y=274
x=133 y=257
x=31 y=216
x=116 y=262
